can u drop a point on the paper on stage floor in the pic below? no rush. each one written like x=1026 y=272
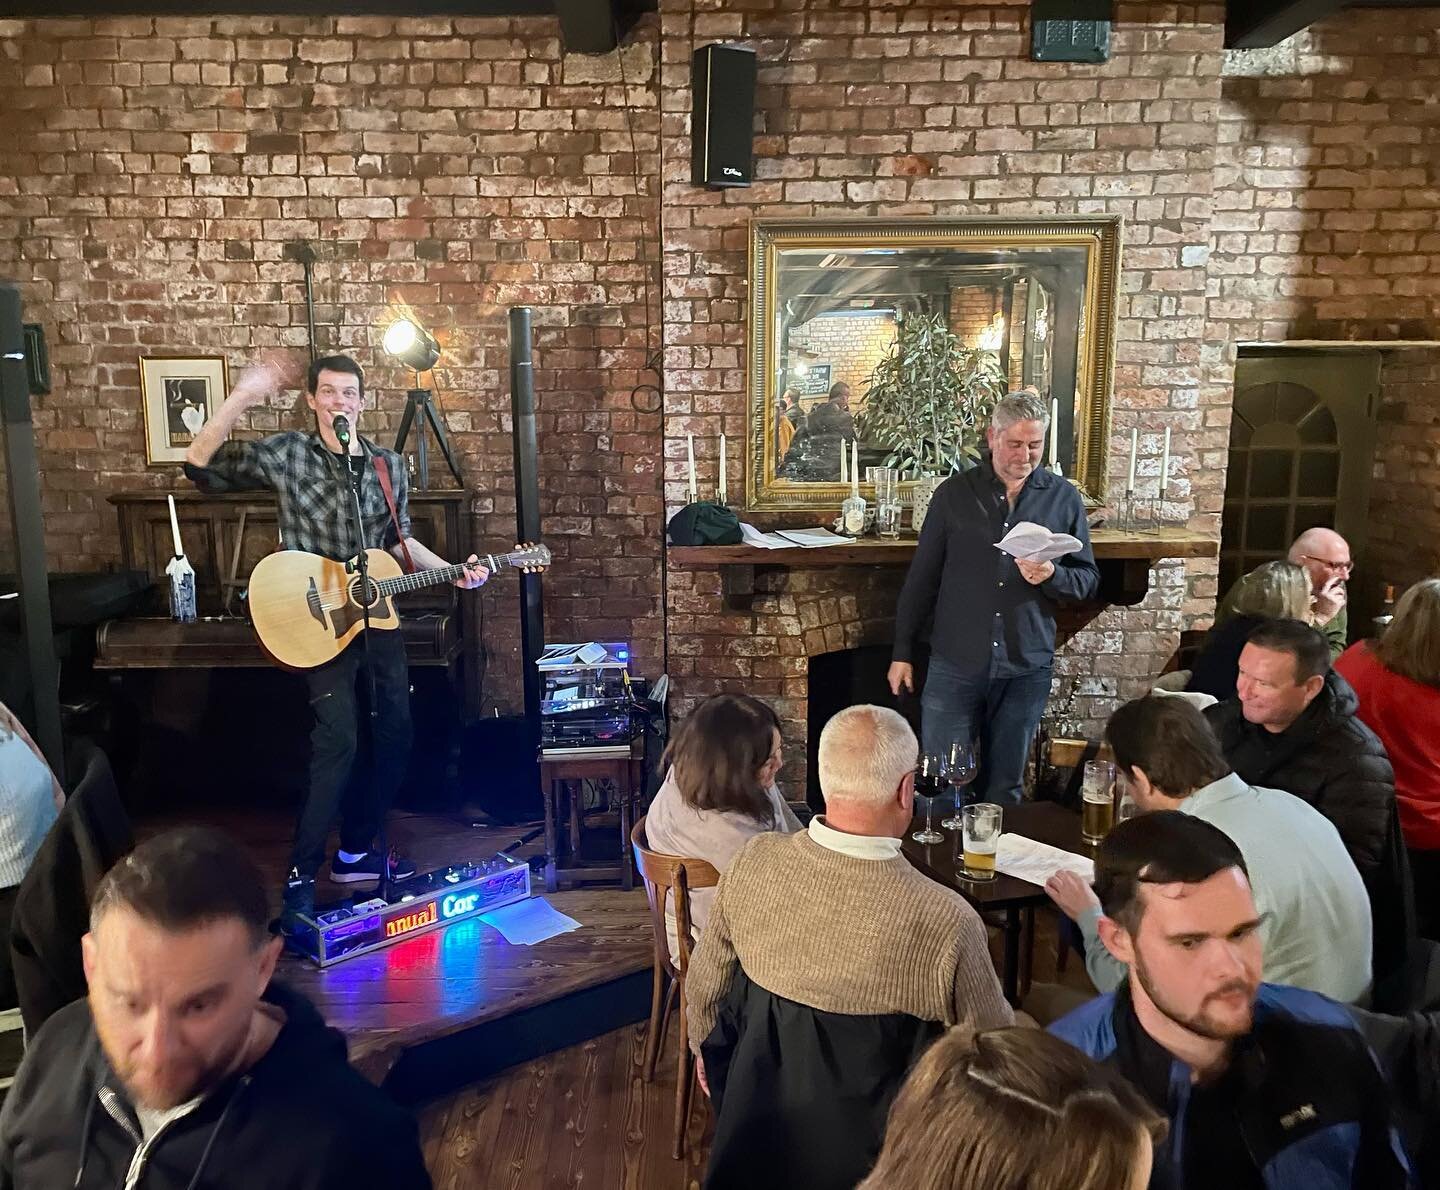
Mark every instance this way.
x=530 y=921
x=1026 y=859
x=1035 y=543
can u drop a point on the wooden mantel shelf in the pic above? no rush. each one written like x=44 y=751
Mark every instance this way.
x=1125 y=558
x=1107 y=544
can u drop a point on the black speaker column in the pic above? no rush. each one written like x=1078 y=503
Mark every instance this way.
x=722 y=126
x=527 y=508
x=27 y=523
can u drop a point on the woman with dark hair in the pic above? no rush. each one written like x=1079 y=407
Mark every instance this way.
x=1015 y=1107
x=1398 y=681
x=719 y=790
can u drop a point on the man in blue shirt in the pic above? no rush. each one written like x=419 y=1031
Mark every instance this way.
x=1266 y=1087
x=992 y=639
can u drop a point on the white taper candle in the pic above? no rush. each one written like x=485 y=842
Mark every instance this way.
x=1134 y=448
x=174 y=525
x=690 y=454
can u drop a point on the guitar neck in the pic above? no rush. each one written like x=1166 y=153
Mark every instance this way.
x=446 y=574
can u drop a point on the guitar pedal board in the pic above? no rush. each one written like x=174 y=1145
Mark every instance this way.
x=426 y=901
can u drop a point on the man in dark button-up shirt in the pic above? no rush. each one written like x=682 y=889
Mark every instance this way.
x=993 y=635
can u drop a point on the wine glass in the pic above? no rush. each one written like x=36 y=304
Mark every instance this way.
x=962 y=765
x=930 y=783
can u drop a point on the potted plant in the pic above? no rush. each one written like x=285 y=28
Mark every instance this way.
x=928 y=403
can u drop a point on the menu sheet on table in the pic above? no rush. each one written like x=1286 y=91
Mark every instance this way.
x=1027 y=859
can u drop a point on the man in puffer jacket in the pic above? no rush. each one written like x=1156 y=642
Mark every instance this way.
x=187 y=1068
x=1293 y=727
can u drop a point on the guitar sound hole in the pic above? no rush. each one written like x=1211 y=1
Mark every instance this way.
x=358 y=596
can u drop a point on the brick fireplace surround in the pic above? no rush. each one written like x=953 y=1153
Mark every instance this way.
x=155 y=174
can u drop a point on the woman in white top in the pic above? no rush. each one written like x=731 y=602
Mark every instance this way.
x=719 y=791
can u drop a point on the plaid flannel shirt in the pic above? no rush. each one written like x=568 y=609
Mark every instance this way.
x=302 y=472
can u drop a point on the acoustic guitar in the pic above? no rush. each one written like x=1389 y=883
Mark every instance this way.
x=306 y=609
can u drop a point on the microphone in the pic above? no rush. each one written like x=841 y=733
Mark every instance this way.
x=341 y=426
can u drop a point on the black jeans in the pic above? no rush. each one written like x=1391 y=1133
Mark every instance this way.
x=334 y=739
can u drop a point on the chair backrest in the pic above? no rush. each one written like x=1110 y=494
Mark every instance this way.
x=52 y=907
x=670 y=877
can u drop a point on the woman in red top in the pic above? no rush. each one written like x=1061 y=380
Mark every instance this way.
x=1398 y=681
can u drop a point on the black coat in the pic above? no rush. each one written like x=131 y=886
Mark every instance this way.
x=52 y=907
x=801 y=1096
x=1331 y=760
x=1408 y=1050
x=299 y=1119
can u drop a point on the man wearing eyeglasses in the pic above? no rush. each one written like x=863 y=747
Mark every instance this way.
x=1325 y=557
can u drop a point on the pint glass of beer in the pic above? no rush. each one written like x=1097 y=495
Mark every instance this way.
x=1097 y=794
x=980 y=832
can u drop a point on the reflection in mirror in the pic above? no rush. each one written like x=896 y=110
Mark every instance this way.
x=902 y=334
x=838 y=316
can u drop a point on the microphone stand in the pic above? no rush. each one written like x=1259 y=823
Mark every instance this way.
x=361 y=565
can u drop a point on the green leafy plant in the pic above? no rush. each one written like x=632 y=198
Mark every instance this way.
x=930 y=398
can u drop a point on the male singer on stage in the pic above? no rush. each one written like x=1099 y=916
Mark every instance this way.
x=312 y=473
x=992 y=644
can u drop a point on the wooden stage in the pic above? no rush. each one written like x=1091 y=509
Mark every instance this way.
x=442 y=1009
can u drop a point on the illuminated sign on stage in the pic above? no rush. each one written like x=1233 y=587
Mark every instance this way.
x=453 y=906
x=400 y=924
x=421 y=903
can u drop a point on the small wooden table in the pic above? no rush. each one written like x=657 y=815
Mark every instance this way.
x=1045 y=822
x=561 y=771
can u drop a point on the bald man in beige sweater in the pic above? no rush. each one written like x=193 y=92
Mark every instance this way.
x=836 y=917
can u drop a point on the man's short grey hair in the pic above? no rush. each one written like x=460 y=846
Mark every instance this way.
x=1021 y=406
x=865 y=752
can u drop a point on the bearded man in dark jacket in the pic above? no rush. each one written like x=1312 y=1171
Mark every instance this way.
x=187 y=1067
x=1293 y=727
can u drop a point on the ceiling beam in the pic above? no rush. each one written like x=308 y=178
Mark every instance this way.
x=1258 y=24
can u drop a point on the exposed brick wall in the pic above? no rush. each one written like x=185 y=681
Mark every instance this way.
x=1327 y=183
x=936 y=110
x=852 y=344
x=1404 y=541
x=153 y=173
x=1327 y=224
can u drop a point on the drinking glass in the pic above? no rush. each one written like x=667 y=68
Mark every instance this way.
x=930 y=783
x=962 y=766
x=1097 y=805
x=887 y=500
x=980 y=835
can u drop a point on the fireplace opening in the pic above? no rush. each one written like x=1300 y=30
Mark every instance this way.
x=841 y=679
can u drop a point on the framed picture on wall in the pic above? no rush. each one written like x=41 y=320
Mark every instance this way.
x=179 y=396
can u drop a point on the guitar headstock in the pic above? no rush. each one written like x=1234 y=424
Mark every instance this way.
x=531 y=557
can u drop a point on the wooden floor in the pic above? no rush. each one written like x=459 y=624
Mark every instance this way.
x=460 y=976
x=581 y=1117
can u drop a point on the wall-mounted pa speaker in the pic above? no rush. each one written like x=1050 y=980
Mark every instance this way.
x=722 y=150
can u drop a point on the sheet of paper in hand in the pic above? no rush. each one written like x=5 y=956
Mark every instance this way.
x=1035 y=543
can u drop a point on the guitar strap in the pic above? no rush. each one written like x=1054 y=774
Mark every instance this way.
x=382 y=472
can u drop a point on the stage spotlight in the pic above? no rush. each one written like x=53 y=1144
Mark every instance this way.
x=411 y=344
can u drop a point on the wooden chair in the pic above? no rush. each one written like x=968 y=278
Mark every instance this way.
x=671 y=877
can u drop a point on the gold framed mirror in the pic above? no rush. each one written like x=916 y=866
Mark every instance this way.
x=897 y=334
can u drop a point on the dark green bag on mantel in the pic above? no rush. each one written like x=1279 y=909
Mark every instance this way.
x=705 y=524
